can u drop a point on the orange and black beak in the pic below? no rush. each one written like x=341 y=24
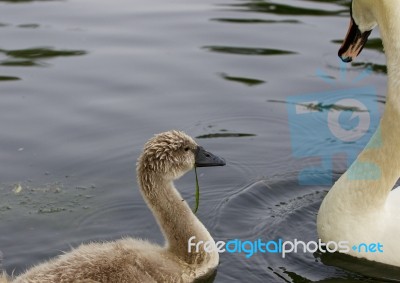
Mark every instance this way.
x=354 y=42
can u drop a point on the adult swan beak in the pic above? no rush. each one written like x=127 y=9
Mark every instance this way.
x=353 y=43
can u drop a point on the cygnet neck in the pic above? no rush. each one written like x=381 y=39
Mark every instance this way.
x=174 y=216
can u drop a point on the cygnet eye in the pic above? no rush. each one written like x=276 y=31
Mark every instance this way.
x=186 y=148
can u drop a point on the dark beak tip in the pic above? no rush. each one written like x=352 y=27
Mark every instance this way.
x=346 y=59
x=221 y=162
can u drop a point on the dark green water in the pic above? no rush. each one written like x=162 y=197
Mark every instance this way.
x=84 y=83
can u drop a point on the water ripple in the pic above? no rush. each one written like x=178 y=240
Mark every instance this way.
x=247 y=50
x=254 y=21
x=283 y=9
x=33 y=56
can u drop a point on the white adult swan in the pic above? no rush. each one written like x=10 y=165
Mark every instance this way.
x=166 y=157
x=362 y=207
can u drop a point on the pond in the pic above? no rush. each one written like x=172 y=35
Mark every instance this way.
x=84 y=83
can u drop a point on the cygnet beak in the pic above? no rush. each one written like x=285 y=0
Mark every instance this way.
x=204 y=158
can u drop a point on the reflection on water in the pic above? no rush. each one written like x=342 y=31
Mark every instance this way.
x=343 y=3
x=320 y=107
x=28 y=26
x=246 y=81
x=247 y=50
x=41 y=52
x=373 y=270
x=224 y=135
x=255 y=21
x=283 y=9
x=24 y=1
x=220 y=70
x=33 y=56
x=377 y=68
x=374 y=44
x=9 y=78
x=21 y=25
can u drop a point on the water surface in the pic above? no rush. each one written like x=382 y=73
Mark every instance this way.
x=83 y=84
